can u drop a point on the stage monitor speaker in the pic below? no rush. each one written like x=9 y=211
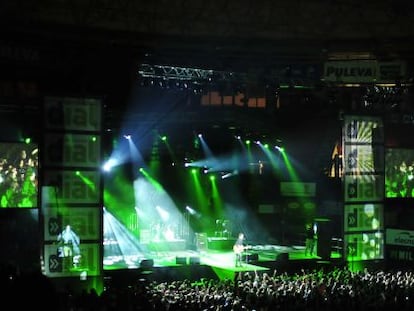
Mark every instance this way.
x=282 y=257
x=146 y=263
x=181 y=260
x=194 y=260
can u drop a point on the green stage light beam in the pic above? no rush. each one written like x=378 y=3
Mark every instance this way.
x=152 y=180
x=291 y=171
x=91 y=185
x=166 y=142
x=216 y=197
x=200 y=195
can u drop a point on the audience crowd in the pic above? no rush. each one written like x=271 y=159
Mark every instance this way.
x=337 y=289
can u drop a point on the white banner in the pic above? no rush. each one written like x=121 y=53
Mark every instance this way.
x=77 y=114
x=88 y=263
x=363 y=71
x=364 y=188
x=84 y=221
x=350 y=71
x=399 y=237
x=72 y=150
x=70 y=187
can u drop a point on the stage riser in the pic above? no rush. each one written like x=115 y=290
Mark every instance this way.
x=220 y=244
x=167 y=246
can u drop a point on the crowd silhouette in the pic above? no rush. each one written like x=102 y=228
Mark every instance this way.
x=336 y=289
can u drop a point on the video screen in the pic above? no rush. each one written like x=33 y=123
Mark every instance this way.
x=18 y=175
x=364 y=246
x=399 y=173
x=72 y=242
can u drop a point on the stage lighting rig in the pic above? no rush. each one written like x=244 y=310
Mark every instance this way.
x=194 y=76
x=174 y=73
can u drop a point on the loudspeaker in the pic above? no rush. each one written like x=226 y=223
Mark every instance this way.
x=181 y=260
x=146 y=263
x=194 y=260
x=324 y=242
x=282 y=257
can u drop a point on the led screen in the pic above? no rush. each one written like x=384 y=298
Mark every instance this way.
x=364 y=245
x=18 y=175
x=72 y=244
x=399 y=173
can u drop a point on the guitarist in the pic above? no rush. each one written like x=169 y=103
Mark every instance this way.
x=238 y=249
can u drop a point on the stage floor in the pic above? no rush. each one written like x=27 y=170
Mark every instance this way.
x=256 y=258
x=212 y=264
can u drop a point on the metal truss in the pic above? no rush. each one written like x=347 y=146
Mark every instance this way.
x=173 y=72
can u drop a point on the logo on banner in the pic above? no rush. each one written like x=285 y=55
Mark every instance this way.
x=73 y=114
x=350 y=71
x=352 y=249
x=400 y=237
x=353 y=218
x=401 y=254
x=353 y=189
x=405 y=238
x=72 y=150
x=55 y=263
x=73 y=188
x=54 y=225
x=358 y=188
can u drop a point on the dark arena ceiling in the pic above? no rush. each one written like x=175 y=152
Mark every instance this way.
x=89 y=47
x=225 y=33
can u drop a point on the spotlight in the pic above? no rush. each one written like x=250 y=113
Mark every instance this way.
x=190 y=210
x=127 y=137
x=108 y=165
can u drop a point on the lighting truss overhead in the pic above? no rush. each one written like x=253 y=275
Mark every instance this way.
x=194 y=75
x=172 y=72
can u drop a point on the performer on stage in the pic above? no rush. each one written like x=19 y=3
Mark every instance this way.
x=310 y=240
x=69 y=243
x=238 y=249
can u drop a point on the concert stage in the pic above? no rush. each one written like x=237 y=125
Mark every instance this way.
x=217 y=264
